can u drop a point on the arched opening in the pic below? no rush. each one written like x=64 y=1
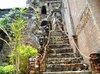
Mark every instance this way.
x=43 y=10
x=44 y=23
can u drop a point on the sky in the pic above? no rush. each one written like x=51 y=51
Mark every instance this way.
x=5 y=4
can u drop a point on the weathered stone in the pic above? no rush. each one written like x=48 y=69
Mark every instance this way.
x=61 y=57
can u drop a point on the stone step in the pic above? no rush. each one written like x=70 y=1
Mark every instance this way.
x=69 y=72
x=59 y=36
x=64 y=60
x=65 y=67
x=64 y=47
x=60 y=50
x=53 y=1
x=67 y=61
x=56 y=33
x=59 y=41
x=61 y=55
x=59 y=45
x=69 y=50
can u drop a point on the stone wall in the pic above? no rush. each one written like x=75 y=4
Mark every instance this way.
x=95 y=9
x=86 y=19
x=3 y=12
x=77 y=7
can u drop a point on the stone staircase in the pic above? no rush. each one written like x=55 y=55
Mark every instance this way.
x=61 y=58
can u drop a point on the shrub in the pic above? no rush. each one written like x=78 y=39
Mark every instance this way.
x=6 y=69
x=1 y=70
x=25 y=52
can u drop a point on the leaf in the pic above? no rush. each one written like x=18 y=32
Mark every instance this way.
x=5 y=31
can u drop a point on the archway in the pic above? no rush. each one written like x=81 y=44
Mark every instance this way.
x=43 y=10
x=44 y=23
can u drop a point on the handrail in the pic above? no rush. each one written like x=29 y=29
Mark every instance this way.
x=45 y=47
x=75 y=46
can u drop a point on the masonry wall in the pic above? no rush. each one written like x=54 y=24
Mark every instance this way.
x=77 y=7
x=86 y=19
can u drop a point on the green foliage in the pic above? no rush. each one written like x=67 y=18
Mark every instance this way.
x=24 y=52
x=1 y=70
x=3 y=22
x=19 y=10
x=13 y=25
x=4 y=26
x=6 y=69
x=17 y=26
x=27 y=51
x=21 y=53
